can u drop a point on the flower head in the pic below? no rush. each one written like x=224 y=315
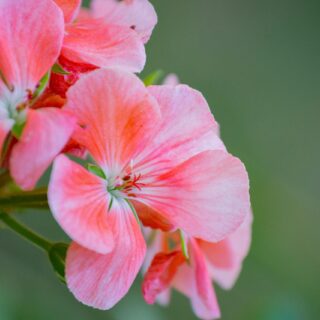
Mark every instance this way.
x=167 y=266
x=44 y=131
x=92 y=42
x=159 y=155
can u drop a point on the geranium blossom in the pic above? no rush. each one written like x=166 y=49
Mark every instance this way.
x=96 y=42
x=158 y=152
x=169 y=267
x=29 y=46
x=138 y=15
x=91 y=43
x=141 y=156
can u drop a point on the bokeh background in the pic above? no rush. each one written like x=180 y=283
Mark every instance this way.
x=258 y=64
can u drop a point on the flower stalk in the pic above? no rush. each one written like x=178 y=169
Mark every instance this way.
x=4 y=178
x=25 y=232
x=56 y=252
x=36 y=199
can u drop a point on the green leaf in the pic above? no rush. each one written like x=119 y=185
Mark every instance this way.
x=57 y=256
x=59 y=70
x=96 y=170
x=153 y=78
x=17 y=129
x=184 y=245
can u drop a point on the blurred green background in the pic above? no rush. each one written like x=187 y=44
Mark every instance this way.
x=258 y=64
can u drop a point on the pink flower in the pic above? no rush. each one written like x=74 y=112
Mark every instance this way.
x=138 y=15
x=91 y=43
x=30 y=42
x=102 y=44
x=158 y=152
x=168 y=267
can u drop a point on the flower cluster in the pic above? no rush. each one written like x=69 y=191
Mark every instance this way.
x=152 y=167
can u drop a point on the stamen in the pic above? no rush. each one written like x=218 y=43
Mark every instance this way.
x=132 y=195
x=30 y=94
x=127 y=184
x=127 y=177
x=21 y=106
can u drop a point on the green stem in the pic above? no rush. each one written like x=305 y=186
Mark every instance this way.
x=4 y=178
x=5 y=148
x=25 y=232
x=25 y=200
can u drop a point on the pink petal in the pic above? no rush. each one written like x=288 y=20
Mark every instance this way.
x=225 y=257
x=29 y=45
x=184 y=280
x=70 y=8
x=155 y=240
x=219 y=254
x=207 y=196
x=151 y=218
x=45 y=134
x=118 y=114
x=193 y=280
x=164 y=297
x=103 y=45
x=204 y=301
x=84 y=14
x=102 y=280
x=171 y=80
x=188 y=128
x=160 y=274
x=156 y=243
x=136 y=14
x=79 y=202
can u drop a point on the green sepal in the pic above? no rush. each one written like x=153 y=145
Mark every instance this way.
x=57 y=256
x=59 y=70
x=134 y=212
x=152 y=237
x=153 y=78
x=96 y=170
x=17 y=129
x=42 y=85
x=110 y=204
x=184 y=246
